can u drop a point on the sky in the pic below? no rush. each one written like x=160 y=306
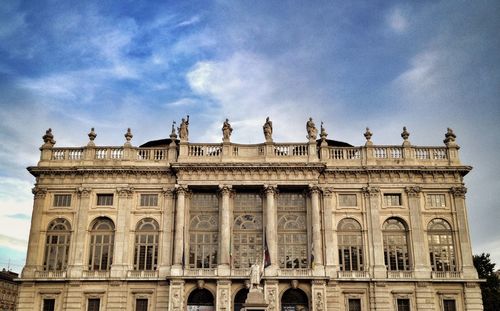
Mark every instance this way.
x=73 y=65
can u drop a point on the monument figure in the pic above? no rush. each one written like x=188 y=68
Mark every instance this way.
x=312 y=131
x=268 y=130
x=183 y=129
x=226 y=130
x=254 y=276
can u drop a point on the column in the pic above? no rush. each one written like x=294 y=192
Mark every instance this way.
x=179 y=228
x=463 y=232
x=271 y=228
x=224 y=231
x=376 y=250
x=316 y=228
x=119 y=267
x=420 y=251
x=34 y=237
x=166 y=232
x=80 y=229
x=330 y=240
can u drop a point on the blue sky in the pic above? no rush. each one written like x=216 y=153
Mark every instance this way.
x=73 y=65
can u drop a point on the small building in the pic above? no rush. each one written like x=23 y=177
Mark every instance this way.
x=8 y=290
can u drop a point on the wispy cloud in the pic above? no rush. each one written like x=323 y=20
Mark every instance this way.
x=19 y=216
x=397 y=20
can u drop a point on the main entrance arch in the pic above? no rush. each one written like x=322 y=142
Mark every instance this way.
x=200 y=300
x=294 y=299
x=240 y=298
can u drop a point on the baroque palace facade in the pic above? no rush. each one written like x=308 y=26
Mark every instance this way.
x=174 y=225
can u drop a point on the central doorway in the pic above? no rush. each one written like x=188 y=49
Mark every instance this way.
x=200 y=300
x=294 y=299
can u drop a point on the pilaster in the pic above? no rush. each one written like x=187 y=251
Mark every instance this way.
x=472 y=297
x=34 y=237
x=331 y=263
x=318 y=289
x=77 y=260
x=372 y=196
x=224 y=295
x=176 y=294
x=271 y=294
x=120 y=254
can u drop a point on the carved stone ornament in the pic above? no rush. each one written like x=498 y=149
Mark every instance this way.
x=200 y=284
x=323 y=134
x=313 y=189
x=268 y=130
x=167 y=192
x=83 y=192
x=39 y=193
x=176 y=300
x=294 y=284
x=449 y=137
x=271 y=298
x=371 y=191
x=327 y=192
x=458 y=192
x=173 y=135
x=125 y=192
x=368 y=135
x=128 y=135
x=319 y=301
x=181 y=189
x=48 y=138
x=92 y=134
x=227 y=130
x=225 y=190
x=183 y=129
x=405 y=134
x=224 y=298
x=270 y=189
x=312 y=131
x=413 y=191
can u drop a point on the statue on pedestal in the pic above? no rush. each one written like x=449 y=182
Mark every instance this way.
x=268 y=130
x=312 y=131
x=255 y=276
x=183 y=129
x=226 y=130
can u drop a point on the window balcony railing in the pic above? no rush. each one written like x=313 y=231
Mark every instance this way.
x=446 y=274
x=200 y=272
x=50 y=274
x=399 y=274
x=294 y=272
x=98 y=274
x=142 y=274
x=241 y=272
x=353 y=274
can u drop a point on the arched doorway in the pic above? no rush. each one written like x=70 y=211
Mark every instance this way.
x=294 y=299
x=200 y=300
x=240 y=299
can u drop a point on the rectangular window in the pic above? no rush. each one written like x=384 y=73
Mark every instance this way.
x=105 y=199
x=403 y=304
x=49 y=304
x=149 y=200
x=449 y=305
x=62 y=200
x=392 y=199
x=436 y=200
x=94 y=304
x=347 y=200
x=355 y=304
x=141 y=304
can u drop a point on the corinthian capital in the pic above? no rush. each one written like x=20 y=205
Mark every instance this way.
x=125 y=192
x=314 y=189
x=39 y=192
x=370 y=191
x=413 y=191
x=270 y=189
x=327 y=192
x=83 y=192
x=458 y=192
x=181 y=189
x=225 y=190
x=167 y=192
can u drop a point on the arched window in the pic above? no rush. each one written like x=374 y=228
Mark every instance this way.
x=240 y=299
x=441 y=246
x=203 y=230
x=396 y=253
x=200 y=297
x=294 y=299
x=350 y=240
x=146 y=245
x=292 y=231
x=247 y=230
x=102 y=237
x=57 y=245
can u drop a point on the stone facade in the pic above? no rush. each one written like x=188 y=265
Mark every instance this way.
x=8 y=290
x=173 y=224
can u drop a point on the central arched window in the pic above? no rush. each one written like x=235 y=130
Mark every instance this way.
x=203 y=230
x=292 y=230
x=247 y=230
x=146 y=245
x=57 y=245
x=396 y=253
x=350 y=243
x=102 y=236
x=441 y=246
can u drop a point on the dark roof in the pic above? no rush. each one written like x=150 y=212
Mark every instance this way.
x=8 y=275
x=166 y=141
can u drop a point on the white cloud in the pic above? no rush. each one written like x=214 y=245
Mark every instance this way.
x=13 y=243
x=397 y=20
x=191 y=21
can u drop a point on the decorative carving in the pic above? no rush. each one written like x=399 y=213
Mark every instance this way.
x=312 y=131
x=371 y=191
x=413 y=191
x=128 y=136
x=48 y=138
x=313 y=189
x=226 y=131
x=327 y=192
x=268 y=130
x=83 y=192
x=181 y=189
x=271 y=298
x=323 y=134
x=200 y=284
x=458 y=192
x=270 y=189
x=173 y=135
x=167 y=192
x=92 y=136
x=183 y=129
x=176 y=300
x=405 y=134
x=368 y=135
x=125 y=192
x=39 y=193
x=449 y=137
x=255 y=276
x=294 y=284
x=224 y=299
x=225 y=190
x=319 y=301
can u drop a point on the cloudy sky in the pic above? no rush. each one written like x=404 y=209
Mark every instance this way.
x=73 y=65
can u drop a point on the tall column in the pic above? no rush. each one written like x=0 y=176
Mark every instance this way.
x=420 y=253
x=80 y=228
x=329 y=229
x=271 y=228
x=179 y=228
x=463 y=231
x=166 y=232
x=120 y=254
x=225 y=231
x=372 y=195
x=316 y=228
x=34 y=238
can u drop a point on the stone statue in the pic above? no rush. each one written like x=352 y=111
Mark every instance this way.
x=183 y=129
x=254 y=276
x=268 y=129
x=312 y=131
x=226 y=130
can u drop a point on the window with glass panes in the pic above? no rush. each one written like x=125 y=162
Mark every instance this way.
x=441 y=245
x=392 y=199
x=436 y=200
x=149 y=200
x=449 y=305
x=292 y=230
x=354 y=304
x=247 y=230
x=57 y=245
x=62 y=200
x=102 y=238
x=350 y=243
x=203 y=230
x=141 y=304
x=105 y=199
x=93 y=304
x=49 y=304
x=396 y=253
x=146 y=245
x=403 y=304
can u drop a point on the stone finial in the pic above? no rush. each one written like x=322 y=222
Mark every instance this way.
x=312 y=131
x=226 y=131
x=48 y=138
x=173 y=135
x=92 y=136
x=268 y=130
x=405 y=134
x=128 y=136
x=323 y=134
x=450 y=138
x=368 y=135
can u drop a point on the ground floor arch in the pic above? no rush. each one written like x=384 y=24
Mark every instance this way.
x=201 y=299
x=294 y=299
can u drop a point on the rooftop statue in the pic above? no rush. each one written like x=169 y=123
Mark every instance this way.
x=312 y=131
x=268 y=130
x=183 y=129
x=226 y=130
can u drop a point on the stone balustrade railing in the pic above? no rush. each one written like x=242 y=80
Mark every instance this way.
x=268 y=152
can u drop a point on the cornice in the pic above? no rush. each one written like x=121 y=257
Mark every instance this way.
x=37 y=171
x=421 y=169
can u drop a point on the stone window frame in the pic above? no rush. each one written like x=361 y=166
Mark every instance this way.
x=147 y=294
x=355 y=294
x=105 y=193
x=61 y=193
x=357 y=206
x=50 y=294
x=140 y=200
x=59 y=233
x=402 y=199
x=155 y=244
x=451 y=233
x=362 y=252
x=449 y=295
x=101 y=295
x=404 y=294
x=110 y=245
x=446 y=200
x=409 y=248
